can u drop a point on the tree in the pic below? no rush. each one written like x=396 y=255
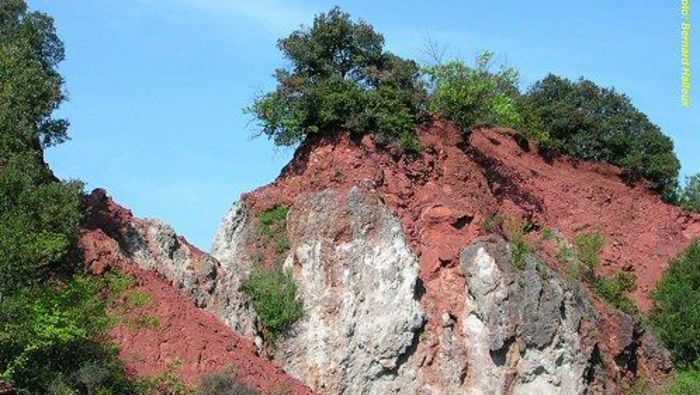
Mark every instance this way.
x=52 y=321
x=340 y=79
x=30 y=85
x=594 y=123
x=474 y=95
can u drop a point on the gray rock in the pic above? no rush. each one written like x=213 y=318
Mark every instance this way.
x=521 y=326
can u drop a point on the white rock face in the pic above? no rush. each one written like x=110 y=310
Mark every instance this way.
x=362 y=319
x=521 y=327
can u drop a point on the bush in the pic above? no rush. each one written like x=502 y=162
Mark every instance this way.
x=273 y=226
x=274 y=296
x=52 y=336
x=689 y=195
x=341 y=79
x=614 y=290
x=39 y=222
x=472 y=96
x=583 y=258
x=514 y=229
x=685 y=383
x=593 y=123
x=675 y=315
x=588 y=248
x=223 y=384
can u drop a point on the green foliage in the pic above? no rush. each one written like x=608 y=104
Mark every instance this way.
x=471 y=96
x=588 y=248
x=52 y=336
x=340 y=78
x=514 y=229
x=685 y=383
x=689 y=195
x=39 y=221
x=614 y=290
x=167 y=382
x=138 y=299
x=30 y=85
x=583 y=257
x=549 y=234
x=675 y=316
x=274 y=296
x=593 y=123
x=273 y=225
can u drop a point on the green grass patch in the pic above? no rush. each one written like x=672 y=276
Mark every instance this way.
x=614 y=290
x=138 y=299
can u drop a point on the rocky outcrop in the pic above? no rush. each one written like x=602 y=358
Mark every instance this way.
x=523 y=326
x=358 y=282
x=162 y=263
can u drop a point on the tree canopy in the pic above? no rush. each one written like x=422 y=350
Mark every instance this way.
x=589 y=122
x=340 y=78
x=30 y=86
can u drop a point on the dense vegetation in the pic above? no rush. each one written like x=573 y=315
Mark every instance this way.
x=52 y=321
x=341 y=78
x=472 y=96
x=583 y=257
x=589 y=122
x=274 y=296
x=675 y=317
x=676 y=312
x=688 y=196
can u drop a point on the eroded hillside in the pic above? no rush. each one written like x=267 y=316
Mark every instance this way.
x=405 y=285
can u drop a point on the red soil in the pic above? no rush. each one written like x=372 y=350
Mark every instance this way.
x=443 y=197
x=182 y=331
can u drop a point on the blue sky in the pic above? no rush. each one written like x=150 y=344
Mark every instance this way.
x=157 y=86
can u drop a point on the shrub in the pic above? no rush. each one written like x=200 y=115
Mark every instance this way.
x=53 y=333
x=471 y=96
x=274 y=296
x=675 y=315
x=593 y=123
x=223 y=384
x=39 y=221
x=340 y=78
x=273 y=226
x=588 y=248
x=168 y=382
x=614 y=290
x=583 y=258
x=685 y=383
x=514 y=229
x=689 y=195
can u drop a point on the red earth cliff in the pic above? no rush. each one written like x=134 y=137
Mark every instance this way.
x=444 y=197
